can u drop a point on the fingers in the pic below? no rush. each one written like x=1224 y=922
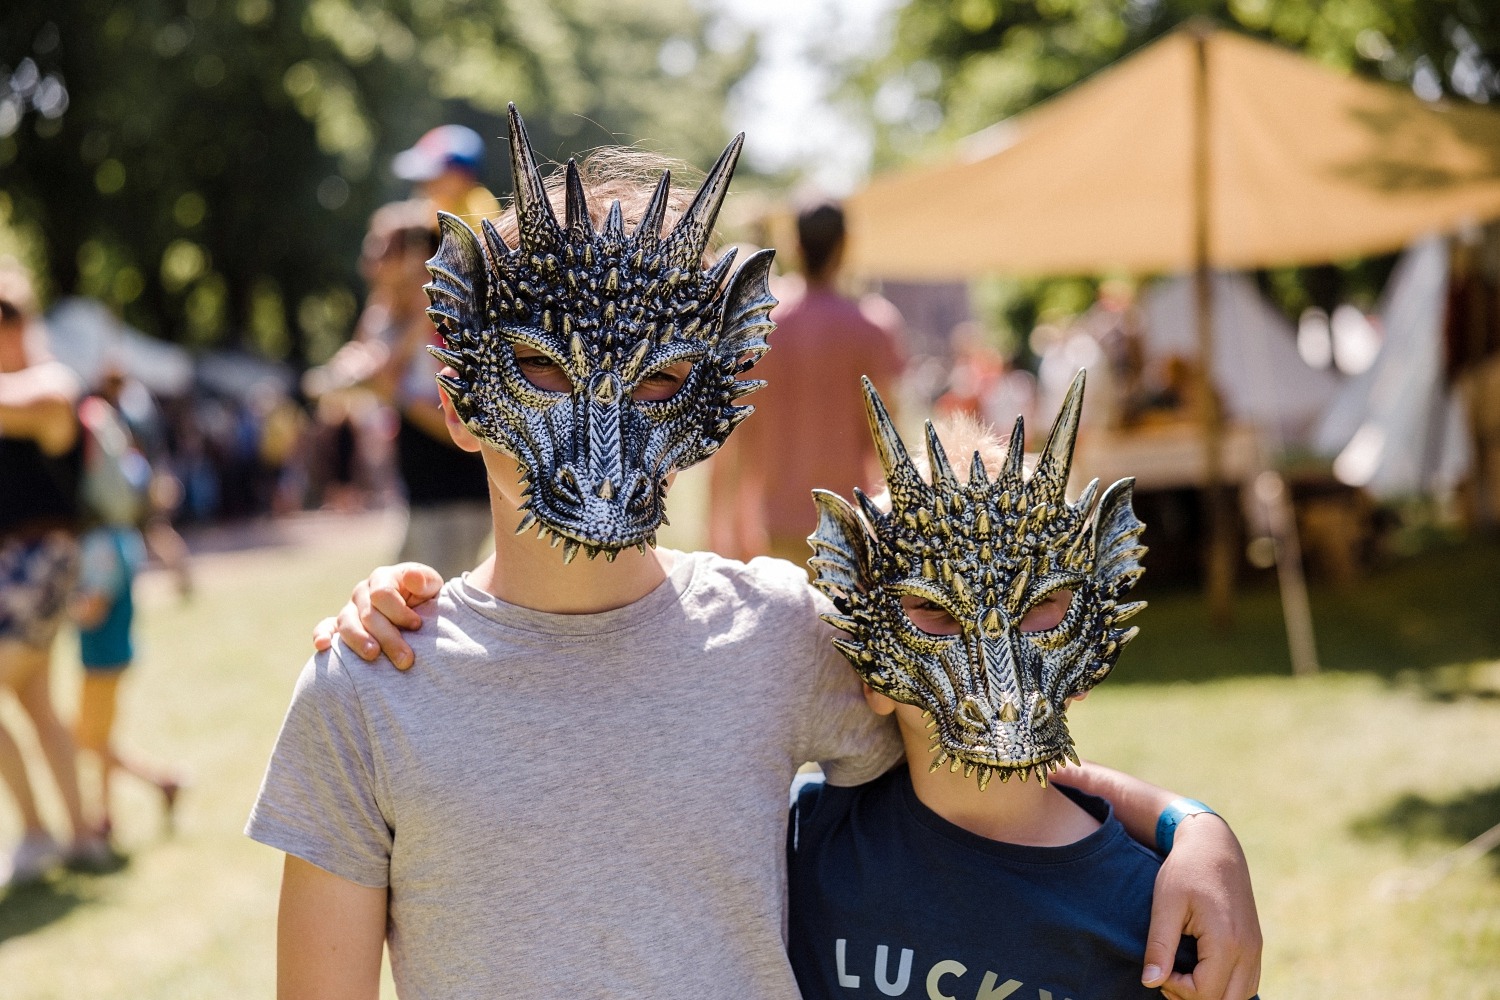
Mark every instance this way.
x=393 y=590
x=1168 y=919
x=352 y=631
x=323 y=634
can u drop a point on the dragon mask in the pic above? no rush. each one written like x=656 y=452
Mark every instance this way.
x=987 y=551
x=611 y=310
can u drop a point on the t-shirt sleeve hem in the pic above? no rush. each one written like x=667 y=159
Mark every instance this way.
x=317 y=853
x=845 y=774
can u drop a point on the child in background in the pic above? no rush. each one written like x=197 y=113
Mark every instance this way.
x=103 y=606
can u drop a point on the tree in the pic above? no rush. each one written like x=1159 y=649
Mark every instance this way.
x=208 y=166
x=956 y=66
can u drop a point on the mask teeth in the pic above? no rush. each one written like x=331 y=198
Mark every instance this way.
x=570 y=552
x=527 y=520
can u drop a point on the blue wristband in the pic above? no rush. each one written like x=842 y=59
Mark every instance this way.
x=1176 y=811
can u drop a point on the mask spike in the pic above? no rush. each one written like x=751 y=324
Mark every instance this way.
x=1015 y=457
x=900 y=474
x=578 y=205
x=691 y=234
x=648 y=230
x=614 y=223
x=493 y=241
x=978 y=476
x=715 y=275
x=534 y=218
x=570 y=552
x=1051 y=476
x=937 y=458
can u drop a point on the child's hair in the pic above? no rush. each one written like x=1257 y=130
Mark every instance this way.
x=616 y=173
x=962 y=434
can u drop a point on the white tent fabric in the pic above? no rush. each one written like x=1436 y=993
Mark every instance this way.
x=1395 y=429
x=1259 y=374
x=86 y=336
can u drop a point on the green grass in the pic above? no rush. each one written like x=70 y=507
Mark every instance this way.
x=1385 y=762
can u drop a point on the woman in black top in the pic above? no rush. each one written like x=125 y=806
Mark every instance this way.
x=40 y=456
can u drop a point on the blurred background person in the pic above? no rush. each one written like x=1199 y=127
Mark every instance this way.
x=809 y=427
x=444 y=168
x=447 y=493
x=40 y=461
x=113 y=552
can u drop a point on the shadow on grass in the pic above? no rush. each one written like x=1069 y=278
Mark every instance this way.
x=1405 y=620
x=26 y=908
x=1415 y=818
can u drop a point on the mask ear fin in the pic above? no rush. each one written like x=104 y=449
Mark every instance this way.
x=746 y=323
x=459 y=289
x=1117 y=548
x=841 y=551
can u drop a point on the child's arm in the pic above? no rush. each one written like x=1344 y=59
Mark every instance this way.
x=329 y=936
x=1203 y=890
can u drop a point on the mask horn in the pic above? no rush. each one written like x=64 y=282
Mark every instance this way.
x=534 y=218
x=648 y=230
x=1051 y=476
x=690 y=236
x=937 y=459
x=1015 y=457
x=900 y=473
x=578 y=204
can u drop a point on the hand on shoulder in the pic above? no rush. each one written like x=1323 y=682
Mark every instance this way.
x=379 y=610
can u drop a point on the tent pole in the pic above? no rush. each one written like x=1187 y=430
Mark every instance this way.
x=1221 y=556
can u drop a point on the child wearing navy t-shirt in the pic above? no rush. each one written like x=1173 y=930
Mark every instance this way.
x=976 y=610
x=892 y=895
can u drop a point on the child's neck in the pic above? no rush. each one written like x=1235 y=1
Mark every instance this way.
x=1014 y=811
x=528 y=572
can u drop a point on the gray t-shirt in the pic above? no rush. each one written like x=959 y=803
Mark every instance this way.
x=578 y=805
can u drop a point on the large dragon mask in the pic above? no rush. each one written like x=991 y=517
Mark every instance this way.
x=611 y=309
x=987 y=551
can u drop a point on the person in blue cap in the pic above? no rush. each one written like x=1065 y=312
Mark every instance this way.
x=444 y=166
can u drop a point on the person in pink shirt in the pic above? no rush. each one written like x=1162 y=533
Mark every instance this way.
x=824 y=341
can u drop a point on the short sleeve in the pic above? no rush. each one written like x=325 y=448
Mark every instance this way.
x=851 y=743
x=101 y=570
x=319 y=799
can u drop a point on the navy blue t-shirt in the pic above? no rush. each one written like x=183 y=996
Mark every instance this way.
x=888 y=899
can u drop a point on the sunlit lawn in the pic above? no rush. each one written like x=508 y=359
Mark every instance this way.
x=1387 y=761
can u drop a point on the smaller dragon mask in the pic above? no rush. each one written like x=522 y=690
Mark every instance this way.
x=987 y=551
x=611 y=310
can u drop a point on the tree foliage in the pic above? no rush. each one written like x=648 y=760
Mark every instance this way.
x=208 y=166
x=956 y=66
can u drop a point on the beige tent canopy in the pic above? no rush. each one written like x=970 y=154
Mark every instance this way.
x=1304 y=164
x=1205 y=150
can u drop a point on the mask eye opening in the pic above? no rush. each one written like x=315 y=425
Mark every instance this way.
x=929 y=616
x=1048 y=612
x=662 y=383
x=541 y=370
